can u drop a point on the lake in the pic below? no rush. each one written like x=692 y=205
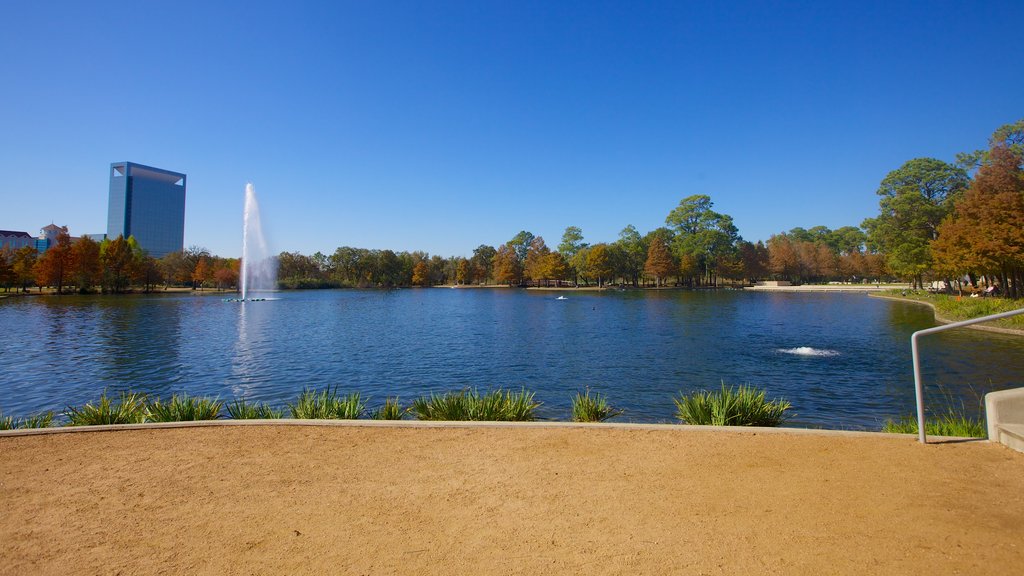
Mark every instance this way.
x=842 y=360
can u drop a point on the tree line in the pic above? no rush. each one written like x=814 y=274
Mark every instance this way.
x=112 y=266
x=962 y=222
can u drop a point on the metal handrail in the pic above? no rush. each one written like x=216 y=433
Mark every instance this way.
x=919 y=388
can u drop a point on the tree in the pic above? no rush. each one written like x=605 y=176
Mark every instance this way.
x=599 y=263
x=703 y=235
x=22 y=266
x=53 y=268
x=571 y=245
x=536 y=263
x=202 y=273
x=985 y=232
x=754 y=260
x=914 y=200
x=659 y=263
x=520 y=243
x=421 y=274
x=118 y=263
x=1009 y=135
x=6 y=268
x=505 y=263
x=634 y=253
x=85 y=269
x=482 y=263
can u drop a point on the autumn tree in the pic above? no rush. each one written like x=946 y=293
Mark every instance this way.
x=754 y=260
x=23 y=265
x=86 y=271
x=421 y=274
x=118 y=261
x=599 y=263
x=54 y=268
x=914 y=200
x=659 y=263
x=202 y=273
x=6 y=268
x=535 y=267
x=985 y=232
x=506 y=266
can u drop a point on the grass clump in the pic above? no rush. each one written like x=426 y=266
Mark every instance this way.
x=242 y=409
x=44 y=420
x=495 y=406
x=391 y=410
x=587 y=408
x=327 y=404
x=130 y=408
x=952 y=423
x=740 y=406
x=184 y=408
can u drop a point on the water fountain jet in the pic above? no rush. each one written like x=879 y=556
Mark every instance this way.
x=259 y=270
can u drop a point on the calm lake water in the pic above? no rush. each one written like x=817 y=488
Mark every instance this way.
x=843 y=360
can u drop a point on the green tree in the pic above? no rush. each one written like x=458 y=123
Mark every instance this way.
x=482 y=263
x=703 y=235
x=571 y=245
x=914 y=200
x=521 y=244
x=634 y=253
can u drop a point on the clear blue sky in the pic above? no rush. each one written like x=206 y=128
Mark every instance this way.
x=440 y=126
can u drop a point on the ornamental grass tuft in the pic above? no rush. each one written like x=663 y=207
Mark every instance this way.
x=740 y=406
x=184 y=408
x=242 y=409
x=327 y=404
x=495 y=406
x=44 y=420
x=587 y=408
x=391 y=410
x=129 y=409
x=952 y=423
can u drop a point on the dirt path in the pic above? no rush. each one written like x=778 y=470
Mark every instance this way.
x=361 y=500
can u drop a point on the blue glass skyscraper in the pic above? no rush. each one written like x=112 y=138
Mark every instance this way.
x=149 y=204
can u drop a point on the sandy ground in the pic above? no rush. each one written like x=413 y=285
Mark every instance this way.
x=537 y=500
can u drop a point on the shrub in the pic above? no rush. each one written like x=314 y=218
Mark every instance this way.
x=391 y=410
x=241 y=409
x=741 y=406
x=327 y=404
x=587 y=408
x=496 y=405
x=184 y=408
x=130 y=409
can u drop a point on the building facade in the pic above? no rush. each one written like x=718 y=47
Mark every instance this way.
x=149 y=204
x=13 y=240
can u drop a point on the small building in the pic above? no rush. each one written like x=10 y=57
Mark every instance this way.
x=14 y=240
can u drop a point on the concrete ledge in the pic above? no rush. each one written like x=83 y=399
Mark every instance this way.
x=1004 y=412
x=752 y=430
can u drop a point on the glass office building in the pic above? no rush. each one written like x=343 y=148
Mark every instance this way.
x=149 y=204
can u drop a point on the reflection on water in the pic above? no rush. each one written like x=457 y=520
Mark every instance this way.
x=842 y=360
